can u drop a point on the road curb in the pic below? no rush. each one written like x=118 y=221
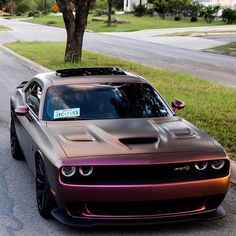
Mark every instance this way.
x=233 y=172
x=28 y=63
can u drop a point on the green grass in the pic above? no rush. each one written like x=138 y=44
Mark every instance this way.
x=229 y=49
x=135 y=23
x=210 y=106
x=3 y=28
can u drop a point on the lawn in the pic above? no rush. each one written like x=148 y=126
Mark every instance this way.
x=228 y=49
x=3 y=28
x=208 y=105
x=135 y=23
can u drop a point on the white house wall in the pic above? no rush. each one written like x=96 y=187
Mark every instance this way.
x=129 y=4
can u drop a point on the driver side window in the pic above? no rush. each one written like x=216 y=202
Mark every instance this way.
x=33 y=97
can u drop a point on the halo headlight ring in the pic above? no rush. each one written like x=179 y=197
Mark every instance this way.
x=68 y=171
x=201 y=165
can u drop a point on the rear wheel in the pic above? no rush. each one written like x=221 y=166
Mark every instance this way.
x=15 y=146
x=44 y=197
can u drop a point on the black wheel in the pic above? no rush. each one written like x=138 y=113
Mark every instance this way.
x=15 y=146
x=44 y=197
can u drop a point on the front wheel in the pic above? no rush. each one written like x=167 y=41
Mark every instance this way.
x=43 y=195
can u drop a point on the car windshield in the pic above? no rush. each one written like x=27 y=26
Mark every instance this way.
x=114 y=101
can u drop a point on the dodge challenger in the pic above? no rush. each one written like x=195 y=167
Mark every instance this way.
x=105 y=148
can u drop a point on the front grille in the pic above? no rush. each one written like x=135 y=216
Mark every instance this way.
x=145 y=174
x=137 y=208
x=145 y=208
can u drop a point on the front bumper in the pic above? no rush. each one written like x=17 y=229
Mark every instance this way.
x=88 y=223
x=70 y=198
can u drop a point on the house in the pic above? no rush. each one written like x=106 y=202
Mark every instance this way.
x=222 y=3
x=225 y=3
x=129 y=4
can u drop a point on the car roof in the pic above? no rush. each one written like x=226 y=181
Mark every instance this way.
x=89 y=76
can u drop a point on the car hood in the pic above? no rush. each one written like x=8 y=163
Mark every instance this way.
x=130 y=136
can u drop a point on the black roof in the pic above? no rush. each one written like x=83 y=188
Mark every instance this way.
x=90 y=71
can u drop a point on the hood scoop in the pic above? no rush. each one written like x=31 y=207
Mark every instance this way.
x=182 y=133
x=138 y=140
x=83 y=137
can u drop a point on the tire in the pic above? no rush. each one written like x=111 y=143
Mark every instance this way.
x=45 y=200
x=16 y=151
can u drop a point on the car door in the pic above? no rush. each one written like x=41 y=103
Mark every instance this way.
x=30 y=124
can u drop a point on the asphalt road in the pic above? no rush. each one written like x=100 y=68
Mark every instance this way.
x=18 y=212
x=209 y=66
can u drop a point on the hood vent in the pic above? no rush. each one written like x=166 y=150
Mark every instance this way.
x=138 y=140
x=83 y=137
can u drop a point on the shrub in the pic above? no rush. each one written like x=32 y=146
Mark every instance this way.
x=211 y=13
x=140 y=10
x=151 y=12
x=161 y=7
x=99 y=4
x=100 y=12
x=177 y=18
x=193 y=19
x=22 y=8
x=54 y=8
x=229 y=15
x=51 y=22
x=194 y=10
x=33 y=14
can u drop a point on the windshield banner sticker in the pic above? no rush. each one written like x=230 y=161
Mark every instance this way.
x=72 y=112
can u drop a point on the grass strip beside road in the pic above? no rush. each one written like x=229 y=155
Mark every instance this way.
x=209 y=105
x=135 y=23
x=3 y=28
x=227 y=49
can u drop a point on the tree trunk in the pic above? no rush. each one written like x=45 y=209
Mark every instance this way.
x=45 y=6
x=75 y=27
x=109 y=12
x=11 y=7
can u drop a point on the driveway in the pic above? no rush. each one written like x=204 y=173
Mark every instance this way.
x=208 y=66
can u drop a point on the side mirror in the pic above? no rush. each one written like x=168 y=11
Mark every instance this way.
x=177 y=105
x=21 y=110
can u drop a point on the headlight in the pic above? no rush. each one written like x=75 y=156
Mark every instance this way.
x=86 y=170
x=217 y=164
x=68 y=171
x=201 y=165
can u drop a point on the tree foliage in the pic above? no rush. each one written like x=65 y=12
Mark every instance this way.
x=177 y=8
x=22 y=6
x=140 y=10
x=194 y=9
x=211 y=12
x=161 y=7
x=229 y=15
